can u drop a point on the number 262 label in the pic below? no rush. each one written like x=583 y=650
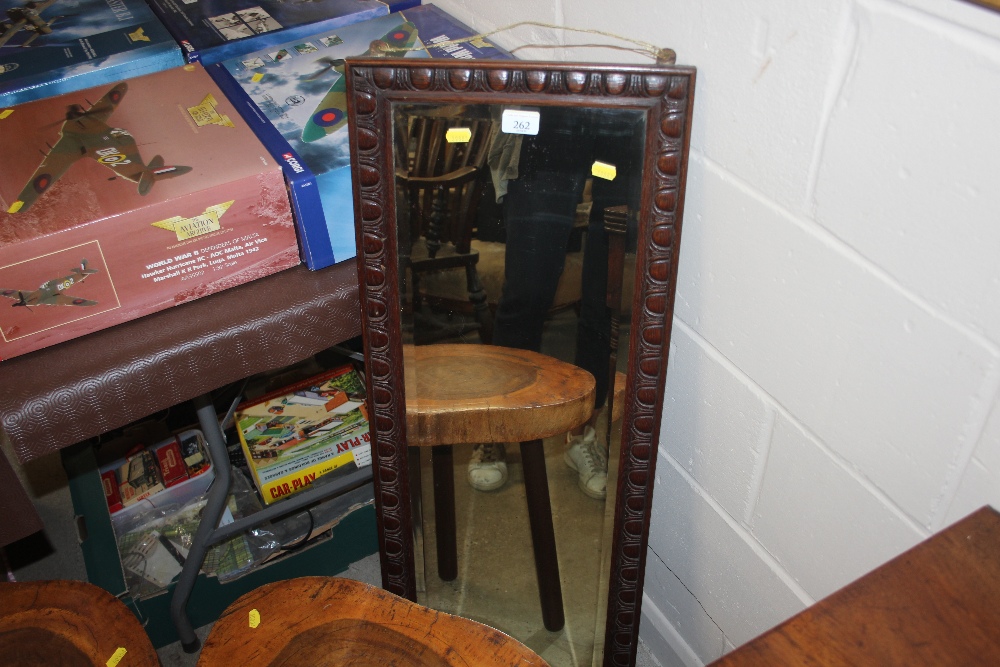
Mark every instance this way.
x=516 y=121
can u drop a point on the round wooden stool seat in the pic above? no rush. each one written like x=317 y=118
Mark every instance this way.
x=328 y=621
x=459 y=394
x=484 y=393
x=69 y=623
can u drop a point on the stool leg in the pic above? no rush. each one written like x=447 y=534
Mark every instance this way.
x=543 y=538
x=444 y=512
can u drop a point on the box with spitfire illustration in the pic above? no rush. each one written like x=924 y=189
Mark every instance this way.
x=127 y=199
x=294 y=97
x=51 y=47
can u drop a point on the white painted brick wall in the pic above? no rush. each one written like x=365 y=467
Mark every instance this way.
x=823 y=525
x=834 y=389
x=722 y=566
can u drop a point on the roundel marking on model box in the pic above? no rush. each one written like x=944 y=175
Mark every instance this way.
x=42 y=183
x=328 y=117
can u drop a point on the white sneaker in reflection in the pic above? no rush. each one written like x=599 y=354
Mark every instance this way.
x=587 y=457
x=488 y=466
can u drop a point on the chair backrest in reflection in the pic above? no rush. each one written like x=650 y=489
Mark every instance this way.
x=443 y=182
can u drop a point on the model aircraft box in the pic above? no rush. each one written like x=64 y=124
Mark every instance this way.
x=294 y=97
x=127 y=199
x=51 y=47
x=212 y=30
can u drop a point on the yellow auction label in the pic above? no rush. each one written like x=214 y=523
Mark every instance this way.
x=458 y=135
x=254 y=618
x=116 y=657
x=257 y=77
x=5 y=113
x=604 y=170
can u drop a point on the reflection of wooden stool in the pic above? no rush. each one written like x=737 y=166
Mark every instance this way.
x=457 y=394
x=327 y=621
x=68 y=623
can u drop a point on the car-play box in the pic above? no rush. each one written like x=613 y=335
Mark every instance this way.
x=353 y=538
x=126 y=199
x=211 y=30
x=51 y=47
x=294 y=97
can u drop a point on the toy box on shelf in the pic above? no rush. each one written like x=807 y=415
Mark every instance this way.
x=297 y=434
x=51 y=47
x=165 y=476
x=209 y=31
x=294 y=96
x=127 y=199
x=136 y=553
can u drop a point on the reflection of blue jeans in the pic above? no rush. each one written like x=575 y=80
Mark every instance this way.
x=539 y=211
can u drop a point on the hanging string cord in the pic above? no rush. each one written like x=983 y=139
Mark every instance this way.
x=666 y=56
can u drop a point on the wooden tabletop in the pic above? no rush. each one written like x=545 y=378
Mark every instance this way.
x=484 y=393
x=937 y=604
x=320 y=621
x=69 y=623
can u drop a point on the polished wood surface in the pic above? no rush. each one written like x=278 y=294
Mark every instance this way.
x=937 y=604
x=483 y=393
x=68 y=623
x=320 y=621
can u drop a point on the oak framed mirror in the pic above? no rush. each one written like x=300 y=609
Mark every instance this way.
x=518 y=229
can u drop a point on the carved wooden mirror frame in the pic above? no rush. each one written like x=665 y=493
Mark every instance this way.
x=665 y=94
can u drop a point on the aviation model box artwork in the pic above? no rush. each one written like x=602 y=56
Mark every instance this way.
x=294 y=97
x=126 y=199
x=212 y=30
x=51 y=47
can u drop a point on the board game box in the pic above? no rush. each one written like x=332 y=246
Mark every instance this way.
x=127 y=199
x=294 y=435
x=212 y=30
x=294 y=97
x=51 y=47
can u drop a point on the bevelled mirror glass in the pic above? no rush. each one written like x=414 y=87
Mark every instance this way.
x=518 y=228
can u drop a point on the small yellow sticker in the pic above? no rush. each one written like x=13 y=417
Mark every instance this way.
x=257 y=77
x=116 y=657
x=5 y=113
x=458 y=135
x=604 y=170
x=254 y=618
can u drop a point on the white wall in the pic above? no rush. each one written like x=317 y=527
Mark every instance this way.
x=834 y=389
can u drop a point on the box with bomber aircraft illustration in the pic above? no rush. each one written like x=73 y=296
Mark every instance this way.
x=294 y=97
x=51 y=47
x=127 y=199
x=212 y=30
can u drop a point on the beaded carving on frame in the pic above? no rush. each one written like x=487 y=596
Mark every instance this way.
x=665 y=95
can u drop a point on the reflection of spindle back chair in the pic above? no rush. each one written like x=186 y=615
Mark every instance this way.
x=443 y=182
